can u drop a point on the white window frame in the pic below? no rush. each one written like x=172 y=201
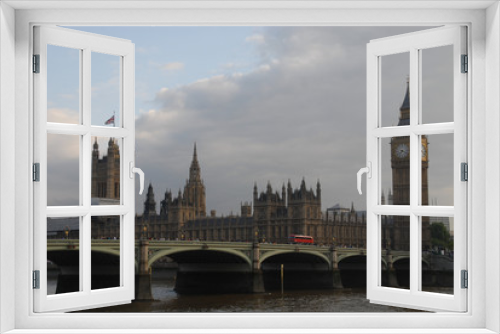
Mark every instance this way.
x=483 y=20
x=413 y=44
x=84 y=131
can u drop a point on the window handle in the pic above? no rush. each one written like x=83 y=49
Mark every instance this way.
x=368 y=171
x=134 y=170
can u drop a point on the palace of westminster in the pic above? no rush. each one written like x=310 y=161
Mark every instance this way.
x=272 y=216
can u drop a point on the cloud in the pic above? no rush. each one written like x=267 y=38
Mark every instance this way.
x=256 y=38
x=279 y=121
x=62 y=115
x=301 y=112
x=175 y=66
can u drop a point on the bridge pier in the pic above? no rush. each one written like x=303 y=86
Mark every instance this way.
x=143 y=277
x=257 y=275
x=337 y=280
x=391 y=275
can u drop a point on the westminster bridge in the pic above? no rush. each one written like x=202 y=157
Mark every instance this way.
x=239 y=266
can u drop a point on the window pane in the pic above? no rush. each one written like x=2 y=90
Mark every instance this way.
x=437 y=254
x=437 y=84
x=106 y=171
x=437 y=169
x=63 y=84
x=394 y=85
x=63 y=176
x=106 y=90
x=105 y=252
x=395 y=171
x=63 y=255
x=395 y=242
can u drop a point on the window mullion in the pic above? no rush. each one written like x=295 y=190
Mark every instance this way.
x=414 y=166
x=85 y=253
x=85 y=172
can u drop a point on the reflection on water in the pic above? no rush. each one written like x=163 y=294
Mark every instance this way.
x=338 y=300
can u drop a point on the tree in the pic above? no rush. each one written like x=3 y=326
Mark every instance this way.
x=440 y=237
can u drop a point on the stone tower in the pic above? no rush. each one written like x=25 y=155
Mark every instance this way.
x=189 y=204
x=150 y=203
x=106 y=172
x=276 y=216
x=194 y=191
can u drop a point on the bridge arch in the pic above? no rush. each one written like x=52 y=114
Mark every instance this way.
x=166 y=252
x=270 y=254
x=54 y=250
x=109 y=251
x=400 y=258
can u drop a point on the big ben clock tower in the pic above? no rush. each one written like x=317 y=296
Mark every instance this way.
x=400 y=164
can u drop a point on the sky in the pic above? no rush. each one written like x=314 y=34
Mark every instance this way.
x=263 y=104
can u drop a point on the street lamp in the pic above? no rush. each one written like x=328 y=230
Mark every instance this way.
x=66 y=231
x=145 y=232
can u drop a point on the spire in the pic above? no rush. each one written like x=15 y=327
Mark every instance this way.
x=318 y=190
x=96 y=146
x=352 y=207
x=194 y=170
x=404 y=116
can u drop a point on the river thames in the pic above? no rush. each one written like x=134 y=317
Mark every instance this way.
x=330 y=300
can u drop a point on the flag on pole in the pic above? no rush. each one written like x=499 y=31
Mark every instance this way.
x=111 y=120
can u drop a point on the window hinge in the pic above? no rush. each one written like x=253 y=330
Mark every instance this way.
x=36 y=63
x=36 y=279
x=464 y=172
x=465 y=279
x=36 y=172
x=465 y=64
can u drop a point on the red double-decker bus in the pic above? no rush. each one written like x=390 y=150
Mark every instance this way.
x=300 y=239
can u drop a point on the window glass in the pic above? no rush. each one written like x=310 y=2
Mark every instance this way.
x=394 y=73
x=437 y=254
x=106 y=90
x=106 y=248
x=63 y=255
x=63 y=88
x=437 y=169
x=106 y=166
x=437 y=84
x=63 y=170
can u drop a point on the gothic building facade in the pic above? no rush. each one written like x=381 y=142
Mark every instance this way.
x=295 y=211
x=271 y=218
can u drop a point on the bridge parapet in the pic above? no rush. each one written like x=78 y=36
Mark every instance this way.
x=160 y=248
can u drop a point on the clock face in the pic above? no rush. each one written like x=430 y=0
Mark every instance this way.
x=402 y=151
x=424 y=151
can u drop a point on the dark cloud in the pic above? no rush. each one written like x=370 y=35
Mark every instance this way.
x=300 y=113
